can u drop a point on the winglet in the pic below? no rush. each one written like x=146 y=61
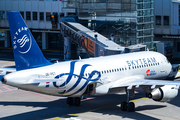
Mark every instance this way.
x=26 y=51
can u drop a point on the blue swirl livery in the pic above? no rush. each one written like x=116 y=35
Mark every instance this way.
x=79 y=78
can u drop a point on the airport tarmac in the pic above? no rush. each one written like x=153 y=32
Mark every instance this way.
x=25 y=105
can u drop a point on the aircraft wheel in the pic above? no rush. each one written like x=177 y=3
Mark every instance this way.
x=124 y=106
x=77 y=101
x=69 y=101
x=131 y=107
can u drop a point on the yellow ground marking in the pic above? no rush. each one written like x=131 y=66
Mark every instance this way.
x=6 y=62
x=71 y=115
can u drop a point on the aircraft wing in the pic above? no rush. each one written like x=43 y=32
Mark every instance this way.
x=135 y=81
x=4 y=71
x=144 y=82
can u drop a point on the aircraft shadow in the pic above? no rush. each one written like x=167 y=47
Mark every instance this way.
x=176 y=100
x=105 y=105
x=149 y=107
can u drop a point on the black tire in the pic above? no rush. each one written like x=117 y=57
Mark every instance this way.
x=124 y=106
x=77 y=101
x=69 y=101
x=131 y=107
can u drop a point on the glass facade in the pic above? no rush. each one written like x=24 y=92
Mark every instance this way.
x=130 y=21
x=2 y=14
x=38 y=37
x=55 y=41
x=2 y=37
x=179 y=14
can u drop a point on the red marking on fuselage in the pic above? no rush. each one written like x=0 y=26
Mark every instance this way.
x=147 y=72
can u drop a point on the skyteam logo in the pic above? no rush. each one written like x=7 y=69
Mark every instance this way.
x=150 y=73
x=22 y=40
x=71 y=74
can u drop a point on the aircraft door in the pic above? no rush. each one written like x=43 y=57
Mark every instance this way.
x=163 y=66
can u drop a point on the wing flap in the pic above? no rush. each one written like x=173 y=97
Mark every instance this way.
x=134 y=81
x=41 y=80
x=5 y=71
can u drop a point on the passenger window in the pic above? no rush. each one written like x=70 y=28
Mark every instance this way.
x=117 y=69
x=112 y=70
x=104 y=71
x=129 y=68
x=107 y=71
x=122 y=68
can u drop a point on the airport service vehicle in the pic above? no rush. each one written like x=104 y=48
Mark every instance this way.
x=95 y=76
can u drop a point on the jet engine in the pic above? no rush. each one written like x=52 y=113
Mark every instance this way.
x=164 y=94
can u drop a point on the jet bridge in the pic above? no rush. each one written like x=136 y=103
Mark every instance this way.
x=94 y=43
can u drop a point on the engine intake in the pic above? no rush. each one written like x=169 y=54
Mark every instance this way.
x=164 y=94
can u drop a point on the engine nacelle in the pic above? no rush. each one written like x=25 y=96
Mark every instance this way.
x=164 y=94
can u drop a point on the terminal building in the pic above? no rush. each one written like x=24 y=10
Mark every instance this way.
x=130 y=21
x=125 y=22
x=167 y=23
x=36 y=13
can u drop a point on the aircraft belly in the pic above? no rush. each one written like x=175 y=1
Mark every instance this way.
x=117 y=90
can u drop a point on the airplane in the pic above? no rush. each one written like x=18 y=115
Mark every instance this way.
x=96 y=76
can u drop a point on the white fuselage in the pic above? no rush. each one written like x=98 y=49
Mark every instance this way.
x=71 y=78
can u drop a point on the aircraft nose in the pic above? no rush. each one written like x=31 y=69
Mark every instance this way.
x=3 y=80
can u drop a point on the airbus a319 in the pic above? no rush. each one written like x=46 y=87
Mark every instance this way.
x=96 y=76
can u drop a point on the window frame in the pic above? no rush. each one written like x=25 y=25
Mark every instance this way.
x=28 y=12
x=35 y=17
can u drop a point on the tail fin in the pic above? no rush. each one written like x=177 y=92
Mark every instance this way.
x=26 y=51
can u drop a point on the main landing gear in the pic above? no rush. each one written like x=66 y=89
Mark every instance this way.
x=76 y=101
x=126 y=105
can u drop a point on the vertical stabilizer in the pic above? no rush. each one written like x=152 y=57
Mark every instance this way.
x=26 y=51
